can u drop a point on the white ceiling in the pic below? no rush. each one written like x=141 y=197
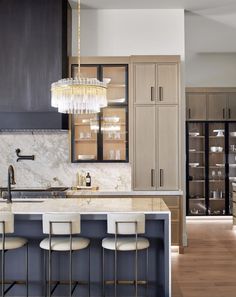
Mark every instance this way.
x=192 y=5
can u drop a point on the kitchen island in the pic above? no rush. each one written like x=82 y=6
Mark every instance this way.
x=28 y=223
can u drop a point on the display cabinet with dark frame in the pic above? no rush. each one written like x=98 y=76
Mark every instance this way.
x=210 y=167
x=103 y=137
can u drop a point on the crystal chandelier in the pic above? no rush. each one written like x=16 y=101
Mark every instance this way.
x=79 y=95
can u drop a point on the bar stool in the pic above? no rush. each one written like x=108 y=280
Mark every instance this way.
x=65 y=224
x=125 y=224
x=11 y=243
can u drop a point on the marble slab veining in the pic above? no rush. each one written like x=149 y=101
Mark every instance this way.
x=52 y=166
x=87 y=205
x=77 y=194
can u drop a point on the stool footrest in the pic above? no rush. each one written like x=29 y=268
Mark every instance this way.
x=74 y=283
x=126 y=282
x=62 y=282
x=9 y=288
x=16 y=282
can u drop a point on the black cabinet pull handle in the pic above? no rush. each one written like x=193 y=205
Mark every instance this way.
x=229 y=113
x=152 y=177
x=223 y=113
x=189 y=113
x=152 y=93
x=161 y=93
x=161 y=177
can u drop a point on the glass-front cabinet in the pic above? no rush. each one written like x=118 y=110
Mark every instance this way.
x=196 y=169
x=103 y=137
x=210 y=167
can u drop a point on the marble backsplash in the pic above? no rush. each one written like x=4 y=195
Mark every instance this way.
x=52 y=166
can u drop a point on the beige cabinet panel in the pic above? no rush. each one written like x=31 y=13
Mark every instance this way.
x=196 y=106
x=144 y=148
x=217 y=106
x=168 y=148
x=175 y=238
x=232 y=106
x=167 y=83
x=144 y=83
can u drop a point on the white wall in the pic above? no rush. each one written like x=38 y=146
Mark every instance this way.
x=130 y=32
x=211 y=48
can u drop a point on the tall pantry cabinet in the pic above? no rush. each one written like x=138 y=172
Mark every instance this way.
x=155 y=119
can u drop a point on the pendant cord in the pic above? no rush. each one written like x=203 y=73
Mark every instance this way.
x=79 y=39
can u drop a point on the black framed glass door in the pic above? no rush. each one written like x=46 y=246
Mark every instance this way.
x=210 y=167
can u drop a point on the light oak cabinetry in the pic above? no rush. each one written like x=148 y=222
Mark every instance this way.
x=156 y=147
x=174 y=204
x=167 y=148
x=155 y=82
x=154 y=118
x=196 y=106
x=145 y=147
x=213 y=104
x=232 y=106
x=217 y=106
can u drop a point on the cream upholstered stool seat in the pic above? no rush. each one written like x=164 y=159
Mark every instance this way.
x=63 y=244
x=60 y=227
x=8 y=243
x=12 y=243
x=125 y=243
x=125 y=224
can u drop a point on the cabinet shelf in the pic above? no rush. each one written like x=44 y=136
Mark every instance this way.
x=196 y=152
x=85 y=140
x=217 y=167
x=86 y=125
x=217 y=152
x=201 y=137
x=116 y=85
x=115 y=140
x=197 y=181
x=198 y=167
x=216 y=180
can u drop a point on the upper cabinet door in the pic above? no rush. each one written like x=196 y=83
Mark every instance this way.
x=144 y=83
x=168 y=148
x=196 y=106
x=232 y=106
x=144 y=148
x=167 y=84
x=217 y=106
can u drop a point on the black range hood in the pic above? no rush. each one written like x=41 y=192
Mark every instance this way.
x=33 y=121
x=35 y=44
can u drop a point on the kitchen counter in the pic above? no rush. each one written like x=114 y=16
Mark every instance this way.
x=79 y=193
x=28 y=223
x=84 y=205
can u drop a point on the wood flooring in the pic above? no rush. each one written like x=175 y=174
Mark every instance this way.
x=208 y=266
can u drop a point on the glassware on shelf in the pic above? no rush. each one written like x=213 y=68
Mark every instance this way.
x=117 y=154
x=213 y=174
x=112 y=154
x=219 y=173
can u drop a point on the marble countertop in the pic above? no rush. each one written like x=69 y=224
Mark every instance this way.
x=85 y=205
x=78 y=193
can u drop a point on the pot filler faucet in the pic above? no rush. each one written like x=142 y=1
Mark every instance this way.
x=11 y=181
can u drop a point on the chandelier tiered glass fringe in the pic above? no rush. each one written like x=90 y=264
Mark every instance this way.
x=79 y=95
